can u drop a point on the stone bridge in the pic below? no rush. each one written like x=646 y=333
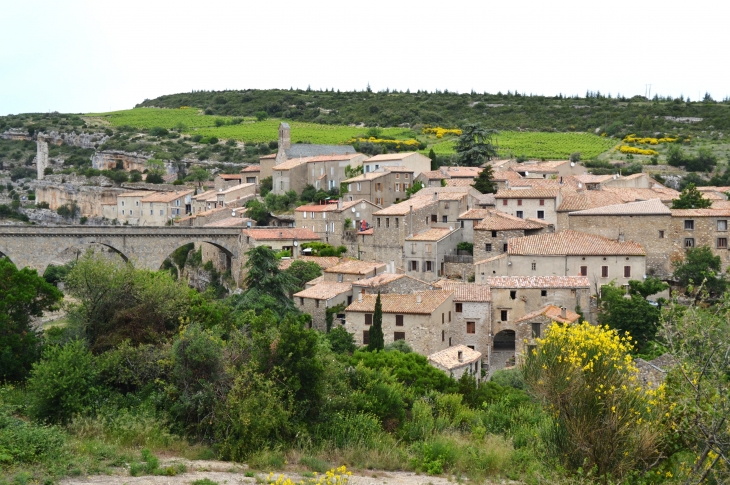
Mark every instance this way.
x=147 y=247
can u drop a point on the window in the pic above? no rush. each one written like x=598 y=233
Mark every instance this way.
x=449 y=315
x=541 y=214
x=397 y=187
x=122 y=203
x=433 y=218
x=471 y=327
x=443 y=335
x=387 y=222
x=443 y=318
x=396 y=222
x=358 y=186
x=722 y=225
x=377 y=222
x=151 y=211
x=535 y=330
x=543 y=292
x=689 y=242
x=316 y=303
x=444 y=219
x=177 y=203
x=365 y=337
x=428 y=266
x=488 y=247
x=368 y=319
x=377 y=187
x=428 y=248
x=584 y=270
x=122 y=211
x=494 y=233
x=604 y=271
x=627 y=271
x=397 y=175
x=414 y=265
x=458 y=307
x=519 y=201
x=504 y=201
x=520 y=214
x=406 y=176
x=161 y=212
x=503 y=315
x=661 y=234
x=340 y=277
x=542 y=201
x=512 y=294
x=689 y=225
x=534 y=266
x=136 y=202
x=399 y=335
x=504 y=247
x=399 y=320
x=722 y=242
x=304 y=214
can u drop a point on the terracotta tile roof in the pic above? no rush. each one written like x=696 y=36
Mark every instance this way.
x=433 y=234
x=367 y=176
x=323 y=262
x=629 y=194
x=324 y=290
x=445 y=190
x=136 y=193
x=499 y=221
x=588 y=199
x=379 y=280
x=588 y=178
x=230 y=176
x=449 y=358
x=403 y=208
x=166 y=196
x=534 y=167
x=329 y=207
x=711 y=188
x=700 y=212
x=462 y=172
x=334 y=158
x=539 y=222
x=366 y=232
x=434 y=175
x=552 y=312
x=473 y=292
x=572 y=243
x=390 y=156
x=230 y=222
x=268 y=157
x=712 y=196
x=485 y=199
x=205 y=195
x=355 y=266
x=643 y=208
x=252 y=168
x=476 y=214
x=493 y=258
x=537 y=282
x=721 y=204
x=536 y=183
x=302 y=234
x=460 y=182
x=506 y=176
x=399 y=169
x=532 y=193
x=403 y=303
x=236 y=188
x=291 y=163
x=315 y=281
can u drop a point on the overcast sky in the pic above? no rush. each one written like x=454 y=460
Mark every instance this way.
x=89 y=56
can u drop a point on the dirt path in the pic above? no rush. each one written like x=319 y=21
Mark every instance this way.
x=232 y=474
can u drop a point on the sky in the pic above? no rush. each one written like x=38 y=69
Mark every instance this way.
x=94 y=56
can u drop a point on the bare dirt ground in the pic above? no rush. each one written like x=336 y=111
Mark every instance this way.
x=232 y=474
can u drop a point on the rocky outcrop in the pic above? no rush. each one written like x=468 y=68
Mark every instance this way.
x=83 y=140
x=110 y=159
x=89 y=199
x=16 y=134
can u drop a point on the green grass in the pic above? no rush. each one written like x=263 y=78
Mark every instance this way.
x=193 y=121
x=550 y=146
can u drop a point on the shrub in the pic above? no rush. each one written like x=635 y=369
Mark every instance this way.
x=24 y=443
x=63 y=383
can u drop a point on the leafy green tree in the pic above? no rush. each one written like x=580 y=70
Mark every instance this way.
x=23 y=294
x=484 y=182
x=376 y=330
x=200 y=175
x=257 y=211
x=474 y=146
x=267 y=287
x=691 y=198
x=341 y=341
x=631 y=312
x=267 y=185
x=301 y=272
x=308 y=193
x=415 y=187
x=675 y=155
x=700 y=267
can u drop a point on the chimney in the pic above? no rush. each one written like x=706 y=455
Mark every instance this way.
x=563 y=312
x=359 y=297
x=435 y=196
x=461 y=356
x=418 y=298
x=281 y=234
x=339 y=204
x=410 y=222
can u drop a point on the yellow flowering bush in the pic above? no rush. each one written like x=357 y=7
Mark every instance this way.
x=391 y=144
x=632 y=138
x=637 y=151
x=585 y=377
x=335 y=476
x=440 y=132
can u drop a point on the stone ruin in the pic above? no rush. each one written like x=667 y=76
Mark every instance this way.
x=41 y=158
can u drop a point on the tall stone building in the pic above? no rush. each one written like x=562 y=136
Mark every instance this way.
x=41 y=159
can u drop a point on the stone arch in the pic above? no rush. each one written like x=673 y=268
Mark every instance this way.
x=3 y=254
x=503 y=350
x=504 y=340
x=81 y=245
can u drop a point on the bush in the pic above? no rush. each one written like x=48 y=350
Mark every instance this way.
x=63 y=383
x=25 y=443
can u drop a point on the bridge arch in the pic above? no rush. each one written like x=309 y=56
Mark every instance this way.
x=82 y=247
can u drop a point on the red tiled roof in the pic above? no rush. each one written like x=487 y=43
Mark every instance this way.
x=472 y=292
x=407 y=303
x=324 y=290
x=323 y=262
x=553 y=312
x=642 y=208
x=282 y=233
x=700 y=212
x=251 y=168
x=355 y=266
x=572 y=243
x=433 y=234
x=230 y=176
x=166 y=196
x=499 y=221
x=538 y=282
x=449 y=358
x=532 y=193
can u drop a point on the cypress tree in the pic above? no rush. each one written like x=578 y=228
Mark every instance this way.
x=376 y=331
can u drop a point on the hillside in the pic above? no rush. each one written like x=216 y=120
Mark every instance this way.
x=500 y=111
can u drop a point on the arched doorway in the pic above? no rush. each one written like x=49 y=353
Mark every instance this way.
x=503 y=350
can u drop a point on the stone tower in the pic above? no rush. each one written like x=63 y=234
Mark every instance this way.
x=41 y=158
x=284 y=136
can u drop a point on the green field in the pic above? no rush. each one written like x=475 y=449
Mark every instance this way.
x=192 y=121
x=249 y=131
x=552 y=146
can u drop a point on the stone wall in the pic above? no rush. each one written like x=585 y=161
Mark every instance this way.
x=459 y=270
x=480 y=314
x=705 y=233
x=483 y=237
